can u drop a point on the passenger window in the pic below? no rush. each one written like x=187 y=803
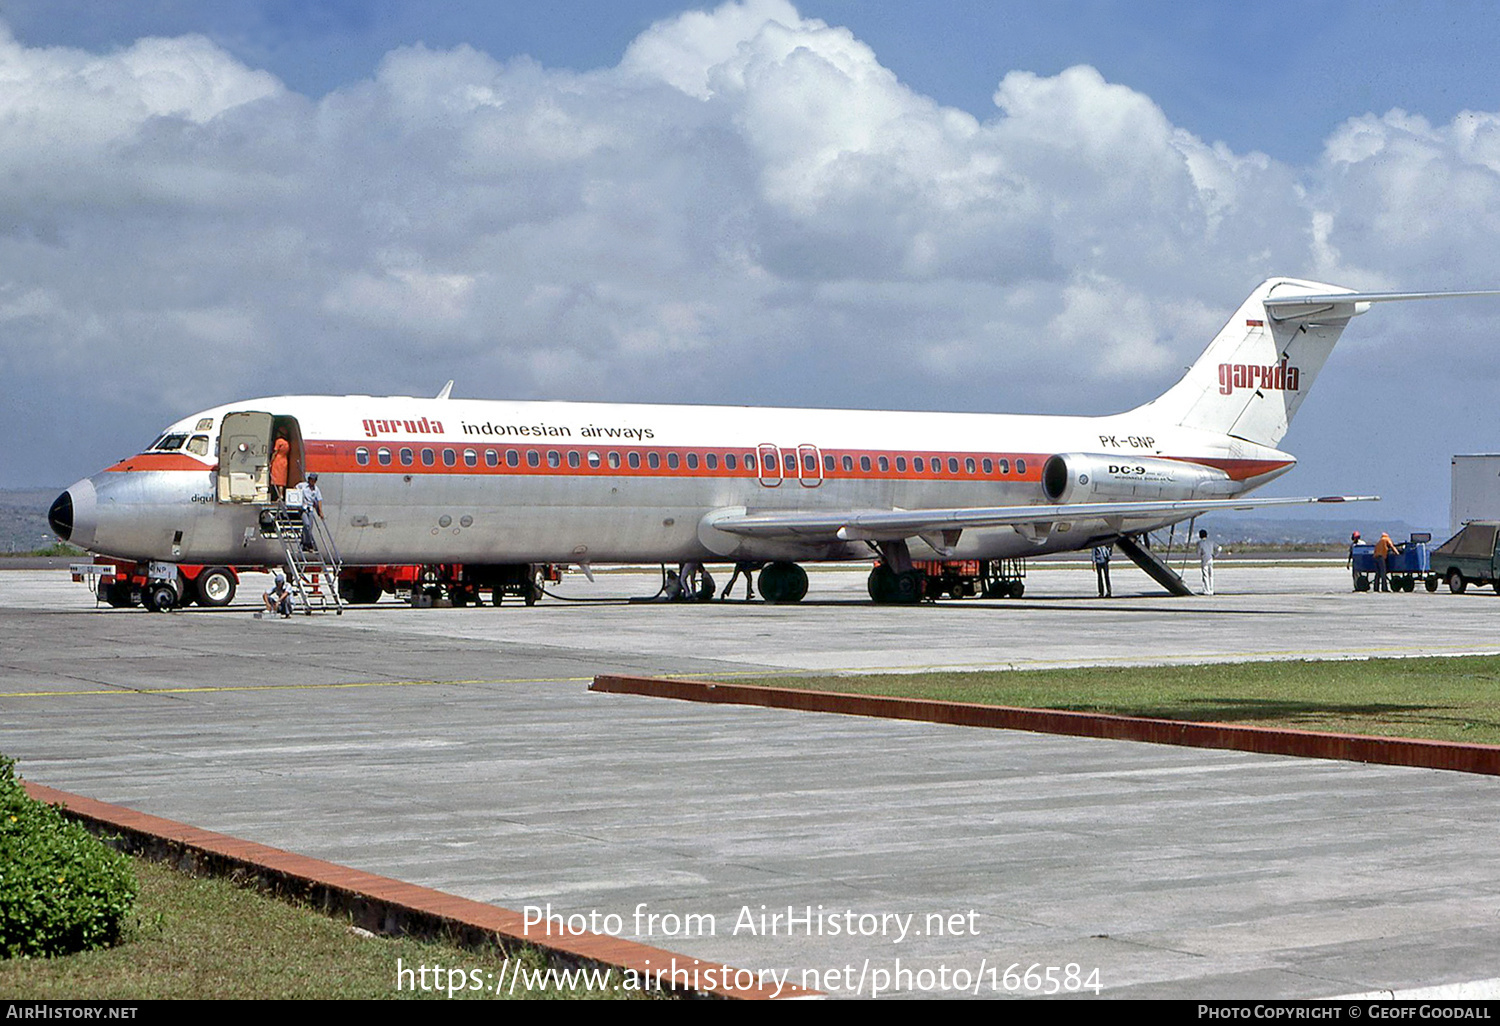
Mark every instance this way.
x=634 y=459
x=809 y=462
x=672 y=461
x=729 y=462
x=900 y=464
x=383 y=455
x=614 y=460
x=848 y=462
x=918 y=464
x=406 y=457
x=491 y=458
x=749 y=460
x=574 y=459
x=362 y=456
x=1020 y=466
x=594 y=461
x=864 y=464
x=450 y=458
x=653 y=460
x=711 y=461
x=554 y=458
x=533 y=458
x=428 y=457
x=1005 y=466
x=969 y=467
x=692 y=461
x=790 y=460
x=512 y=458
x=989 y=465
x=471 y=458
x=953 y=464
x=885 y=464
x=828 y=464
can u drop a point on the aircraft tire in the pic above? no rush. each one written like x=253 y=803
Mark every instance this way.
x=881 y=585
x=214 y=587
x=783 y=583
x=910 y=587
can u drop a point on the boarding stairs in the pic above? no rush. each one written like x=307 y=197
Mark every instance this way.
x=312 y=563
x=1153 y=564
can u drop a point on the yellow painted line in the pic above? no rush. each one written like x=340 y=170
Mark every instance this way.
x=123 y=690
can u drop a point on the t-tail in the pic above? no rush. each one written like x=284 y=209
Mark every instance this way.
x=1253 y=376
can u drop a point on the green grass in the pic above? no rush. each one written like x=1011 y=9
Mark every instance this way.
x=207 y=938
x=1446 y=699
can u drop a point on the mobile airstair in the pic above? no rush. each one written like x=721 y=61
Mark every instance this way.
x=312 y=560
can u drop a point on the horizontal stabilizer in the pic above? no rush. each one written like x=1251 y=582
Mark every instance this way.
x=1348 y=304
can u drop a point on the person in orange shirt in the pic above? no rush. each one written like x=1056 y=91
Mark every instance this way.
x=1384 y=550
x=280 y=452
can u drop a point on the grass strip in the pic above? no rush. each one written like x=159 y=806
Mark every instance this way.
x=1442 y=699
x=209 y=938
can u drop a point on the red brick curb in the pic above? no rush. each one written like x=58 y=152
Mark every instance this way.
x=1390 y=751
x=379 y=903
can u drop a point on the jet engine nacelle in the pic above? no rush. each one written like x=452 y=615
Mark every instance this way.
x=1087 y=477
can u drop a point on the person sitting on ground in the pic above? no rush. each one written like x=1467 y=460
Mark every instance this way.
x=279 y=598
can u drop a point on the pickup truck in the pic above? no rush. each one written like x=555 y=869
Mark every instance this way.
x=1470 y=557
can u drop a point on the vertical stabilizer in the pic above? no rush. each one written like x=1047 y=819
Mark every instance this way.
x=1253 y=376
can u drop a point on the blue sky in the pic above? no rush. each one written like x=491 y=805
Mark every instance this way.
x=819 y=205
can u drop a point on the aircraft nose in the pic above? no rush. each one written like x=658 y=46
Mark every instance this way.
x=72 y=515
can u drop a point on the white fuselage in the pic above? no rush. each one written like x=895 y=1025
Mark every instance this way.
x=410 y=480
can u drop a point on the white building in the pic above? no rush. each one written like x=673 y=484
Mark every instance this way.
x=1476 y=489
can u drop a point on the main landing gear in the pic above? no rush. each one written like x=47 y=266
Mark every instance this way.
x=895 y=581
x=783 y=583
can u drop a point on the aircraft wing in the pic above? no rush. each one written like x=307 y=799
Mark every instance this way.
x=898 y=524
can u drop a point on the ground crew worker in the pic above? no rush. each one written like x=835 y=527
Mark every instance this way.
x=1384 y=550
x=1101 y=569
x=1353 y=541
x=1206 y=561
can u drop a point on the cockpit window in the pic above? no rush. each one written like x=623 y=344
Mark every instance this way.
x=198 y=445
x=169 y=443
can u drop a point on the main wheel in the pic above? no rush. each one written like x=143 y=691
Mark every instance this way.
x=783 y=583
x=910 y=587
x=1456 y=582
x=214 y=587
x=882 y=584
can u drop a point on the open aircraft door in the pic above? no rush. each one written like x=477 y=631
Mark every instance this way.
x=245 y=441
x=245 y=457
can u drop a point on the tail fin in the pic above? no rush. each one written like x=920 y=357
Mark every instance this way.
x=1253 y=376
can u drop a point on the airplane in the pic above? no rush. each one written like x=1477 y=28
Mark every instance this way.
x=498 y=485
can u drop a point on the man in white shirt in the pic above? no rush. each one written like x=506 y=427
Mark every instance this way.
x=309 y=499
x=1206 y=561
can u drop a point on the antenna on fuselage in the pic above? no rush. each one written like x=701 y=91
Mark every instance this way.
x=448 y=388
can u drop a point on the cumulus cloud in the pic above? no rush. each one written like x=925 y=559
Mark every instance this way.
x=749 y=207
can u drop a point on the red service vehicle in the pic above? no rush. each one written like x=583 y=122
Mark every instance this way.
x=159 y=586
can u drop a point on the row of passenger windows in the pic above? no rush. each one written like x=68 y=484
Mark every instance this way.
x=407 y=457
